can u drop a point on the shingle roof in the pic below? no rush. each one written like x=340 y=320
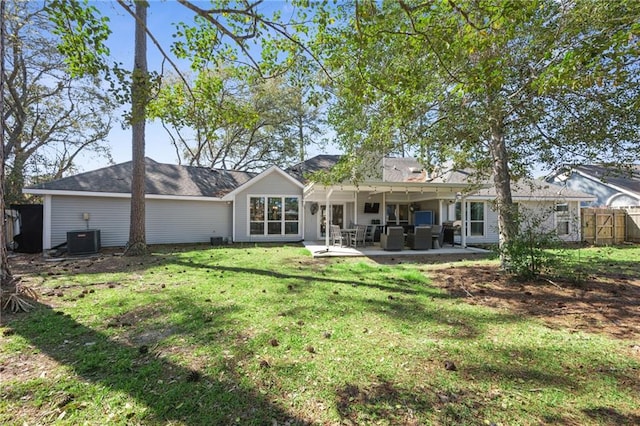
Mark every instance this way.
x=161 y=179
x=538 y=189
x=455 y=176
x=320 y=162
x=405 y=169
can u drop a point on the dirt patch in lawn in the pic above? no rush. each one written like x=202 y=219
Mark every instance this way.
x=608 y=302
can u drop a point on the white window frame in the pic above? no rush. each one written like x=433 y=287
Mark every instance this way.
x=469 y=221
x=283 y=217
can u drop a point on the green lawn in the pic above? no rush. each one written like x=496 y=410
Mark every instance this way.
x=267 y=335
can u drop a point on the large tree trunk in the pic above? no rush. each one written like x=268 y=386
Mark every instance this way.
x=6 y=279
x=301 y=138
x=139 y=98
x=14 y=181
x=507 y=227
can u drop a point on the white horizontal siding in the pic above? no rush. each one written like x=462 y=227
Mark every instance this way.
x=491 y=234
x=172 y=221
x=109 y=215
x=539 y=213
x=167 y=221
x=311 y=222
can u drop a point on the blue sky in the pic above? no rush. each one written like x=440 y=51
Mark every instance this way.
x=162 y=17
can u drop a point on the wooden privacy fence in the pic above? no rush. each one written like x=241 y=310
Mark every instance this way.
x=633 y=224
x=603 y=226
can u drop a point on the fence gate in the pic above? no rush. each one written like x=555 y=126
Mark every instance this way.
x=602 y=226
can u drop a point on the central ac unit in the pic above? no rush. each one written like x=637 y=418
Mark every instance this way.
x=83 y=242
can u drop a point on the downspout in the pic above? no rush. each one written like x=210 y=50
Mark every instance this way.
x=233 y=220
x=304 y=214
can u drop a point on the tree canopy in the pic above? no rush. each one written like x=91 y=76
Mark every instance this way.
x=496 y=86
x=50 y=118
x=231 y=118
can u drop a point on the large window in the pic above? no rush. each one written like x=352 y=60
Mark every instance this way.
x=474 y=216
x=274 y=215
x=563 y=218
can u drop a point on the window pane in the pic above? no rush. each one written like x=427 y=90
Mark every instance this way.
x=403 y=212
x=337 y=215
x=476 y=211
x=291 y=208
x=391 y=213
x=291 y=228
x=477 y=228
x=275 y=208
x=458 y=211
x=257 y=228
x=275 y=228
x=562 y=207
x=563 y=228
x=256 y=205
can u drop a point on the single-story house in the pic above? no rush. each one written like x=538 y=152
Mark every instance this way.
x=186 y=204
x=611 y=187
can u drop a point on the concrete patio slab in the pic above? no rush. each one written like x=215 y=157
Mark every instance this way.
x=319 y=249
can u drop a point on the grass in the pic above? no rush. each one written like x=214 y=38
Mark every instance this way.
x=268 y=335
x=579 y=263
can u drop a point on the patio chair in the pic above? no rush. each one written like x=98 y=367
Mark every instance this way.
x=370 y=235
x=437 y=235
x=420 y=239
x=393 y=239
x=359 y=237
x=336 y=236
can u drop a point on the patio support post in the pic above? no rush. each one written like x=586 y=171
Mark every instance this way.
x=384 y=209
x=463 y=212
x=328 y=220
x=355 y=207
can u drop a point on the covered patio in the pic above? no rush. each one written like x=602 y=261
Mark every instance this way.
x=394 y=204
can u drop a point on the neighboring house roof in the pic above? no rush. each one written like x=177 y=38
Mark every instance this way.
x=626 y=179
x=160 y=179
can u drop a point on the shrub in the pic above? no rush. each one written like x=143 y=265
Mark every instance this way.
x=527 y=253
